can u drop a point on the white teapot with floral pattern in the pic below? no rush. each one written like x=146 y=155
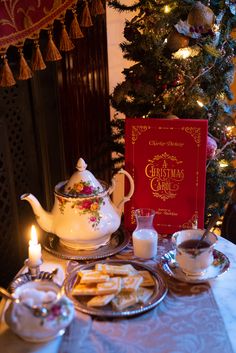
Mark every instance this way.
x=83 y=216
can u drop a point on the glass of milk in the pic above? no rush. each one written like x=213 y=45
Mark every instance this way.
x=145 y=237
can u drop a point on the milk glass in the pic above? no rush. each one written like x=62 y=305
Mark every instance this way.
x=145 y=237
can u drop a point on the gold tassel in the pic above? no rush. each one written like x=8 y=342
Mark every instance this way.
x=6 y=75
x=65 y=42
x=25 y=72
x=86 y=20
x=52 y=53
x=97 y=8
x=37 y=61
x=75 y=30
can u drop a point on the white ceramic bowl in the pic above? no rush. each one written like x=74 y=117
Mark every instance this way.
x=24 y=323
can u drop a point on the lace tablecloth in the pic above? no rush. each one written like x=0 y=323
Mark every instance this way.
x=191 y=318
x=187 y=320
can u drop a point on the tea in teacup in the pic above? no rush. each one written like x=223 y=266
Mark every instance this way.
x=192 y=256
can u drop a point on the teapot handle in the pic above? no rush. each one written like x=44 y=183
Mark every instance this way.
x=131 y=190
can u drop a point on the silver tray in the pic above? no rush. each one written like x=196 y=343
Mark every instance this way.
x=159 y=292
x=118 y=241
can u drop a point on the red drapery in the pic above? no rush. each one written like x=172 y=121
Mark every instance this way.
x=24 y=19
x=21 y=19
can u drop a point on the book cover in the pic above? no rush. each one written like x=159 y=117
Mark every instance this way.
x=167 y=160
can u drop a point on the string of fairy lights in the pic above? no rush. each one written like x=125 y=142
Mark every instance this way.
x=188 y=52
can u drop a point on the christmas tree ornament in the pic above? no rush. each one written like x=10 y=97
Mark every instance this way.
x=211 y=147
x=201 y=18
x=184 y=28
x=176 y=40
x=187 y=52
x=164 y=87
x=171 y=116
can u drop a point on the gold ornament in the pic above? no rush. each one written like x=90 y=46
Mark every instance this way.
x=175 y=41
x=171 y=116
x=168 y=115
x=187 y=52
x=201 y=17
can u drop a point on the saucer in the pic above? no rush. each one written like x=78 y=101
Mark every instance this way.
x=219 y=265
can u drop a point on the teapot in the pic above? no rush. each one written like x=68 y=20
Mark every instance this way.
x=83 y=216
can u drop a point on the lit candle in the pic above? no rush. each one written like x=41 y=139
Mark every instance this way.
x=34 y=249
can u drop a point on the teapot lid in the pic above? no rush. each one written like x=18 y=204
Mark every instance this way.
x=82 y=182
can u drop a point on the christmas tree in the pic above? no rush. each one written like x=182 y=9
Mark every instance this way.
x=182 y=53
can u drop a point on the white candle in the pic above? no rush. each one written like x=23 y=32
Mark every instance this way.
x=145 y=243
x=34 y=249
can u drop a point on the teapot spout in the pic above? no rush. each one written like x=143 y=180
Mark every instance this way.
x=43 y=218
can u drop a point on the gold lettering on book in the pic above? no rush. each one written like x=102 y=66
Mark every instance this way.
x=137 y=131
x=191 y=222
x=166 y=212
x=165 y=173
x=195 y=132
x=167 y=143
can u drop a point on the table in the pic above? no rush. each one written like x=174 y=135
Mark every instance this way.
x=180 y=323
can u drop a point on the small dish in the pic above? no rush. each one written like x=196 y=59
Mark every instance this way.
x=169 y=265
x=118 y=241
x=80 y=303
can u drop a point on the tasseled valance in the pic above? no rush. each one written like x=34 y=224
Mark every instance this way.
x=24 y=19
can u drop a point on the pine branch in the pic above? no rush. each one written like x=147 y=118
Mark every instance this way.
x=121 y=7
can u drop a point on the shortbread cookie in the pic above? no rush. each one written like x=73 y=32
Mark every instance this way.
x=148 y=280
x=80 y=274
x=144 y=294
x=83 y=272
x=94 y=277
x=132 y=271
x=83 y=289
x=124 y=300
x=109 y=287
x=131 y=283
x=113 y=269
x=101 y=300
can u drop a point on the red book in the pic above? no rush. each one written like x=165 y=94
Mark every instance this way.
x=167 y=160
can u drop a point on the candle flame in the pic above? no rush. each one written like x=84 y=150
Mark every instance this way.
x=34 y=237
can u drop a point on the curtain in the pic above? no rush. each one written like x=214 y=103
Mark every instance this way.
x=22 y=21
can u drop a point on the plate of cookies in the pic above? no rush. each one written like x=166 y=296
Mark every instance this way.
x=115 y=288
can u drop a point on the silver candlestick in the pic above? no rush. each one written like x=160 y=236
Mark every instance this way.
x=33 y=274
x=33 y=270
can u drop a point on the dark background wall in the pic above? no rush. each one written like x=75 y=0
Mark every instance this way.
x=46 y=124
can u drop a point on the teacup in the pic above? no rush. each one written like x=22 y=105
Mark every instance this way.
x=193 y=257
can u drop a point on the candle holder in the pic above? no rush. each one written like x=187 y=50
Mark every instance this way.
x=33 y=274
x=34 y=270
